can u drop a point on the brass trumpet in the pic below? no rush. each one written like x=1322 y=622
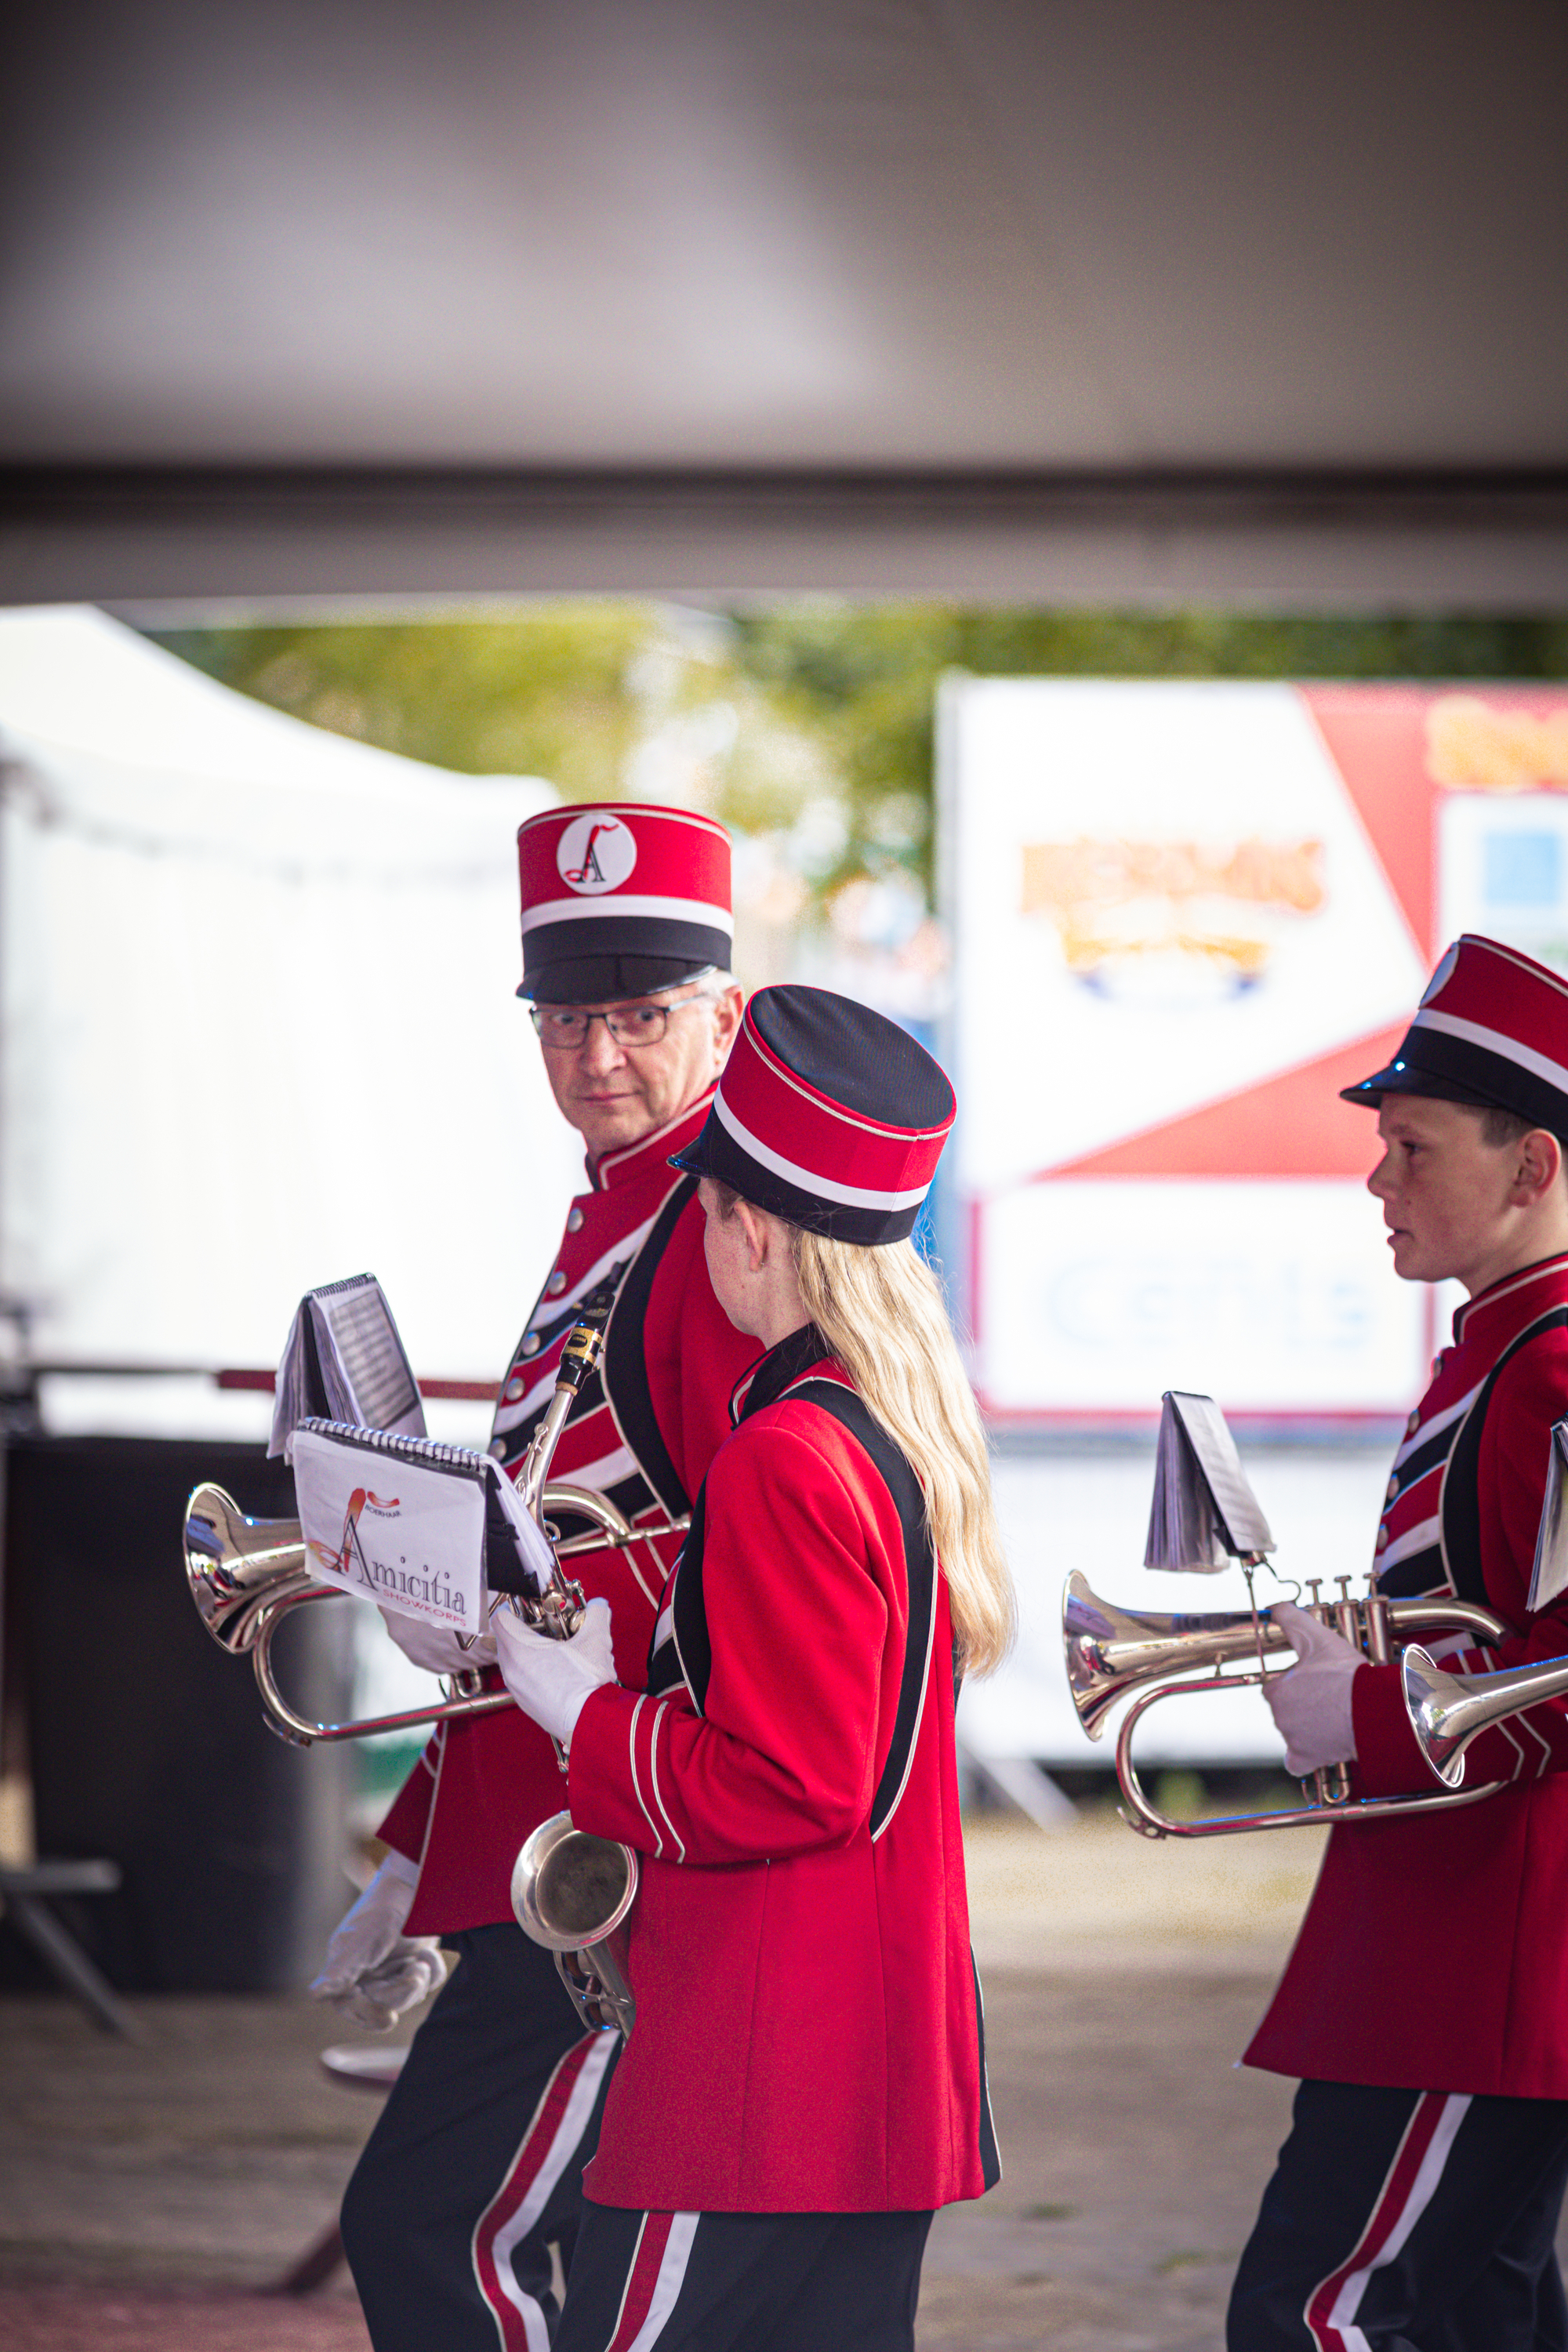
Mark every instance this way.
x=1112 y=1653
x=1448 y=1710
x=572 y=1893
x=245 y=1574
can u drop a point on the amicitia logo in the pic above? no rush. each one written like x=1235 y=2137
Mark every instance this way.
x=388 y=1579
x=383 y=1507
x=596 y=853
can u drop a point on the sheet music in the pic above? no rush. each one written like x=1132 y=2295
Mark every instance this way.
x=1549 y=1577
x=1204 y=1513
x=344 y=1361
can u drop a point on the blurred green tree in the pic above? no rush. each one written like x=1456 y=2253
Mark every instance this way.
x=547 y=694
x=806 y=717
x=863 y=678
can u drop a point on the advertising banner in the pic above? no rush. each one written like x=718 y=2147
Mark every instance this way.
x=1184 y=915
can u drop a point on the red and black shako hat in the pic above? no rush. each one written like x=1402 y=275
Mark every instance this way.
x=1492 y=1029
x=828 y=1115
x=621 y=899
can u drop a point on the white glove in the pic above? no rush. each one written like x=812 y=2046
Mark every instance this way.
x=436 y=1648
x=373 y=1970
x=1311 y=1703
x=551 y=1680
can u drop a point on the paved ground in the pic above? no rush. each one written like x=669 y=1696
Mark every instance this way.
x=147 y=2197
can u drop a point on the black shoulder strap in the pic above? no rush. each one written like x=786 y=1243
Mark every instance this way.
x=624 y=1370
x=1459 y=1507
x=853 y=1414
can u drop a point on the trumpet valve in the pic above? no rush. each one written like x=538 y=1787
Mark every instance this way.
x=1374 y=1612
x=1344 y=1614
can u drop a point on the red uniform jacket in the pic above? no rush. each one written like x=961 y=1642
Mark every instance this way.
x=808 y=2032
x=643 y=1431
x=1434 y=1955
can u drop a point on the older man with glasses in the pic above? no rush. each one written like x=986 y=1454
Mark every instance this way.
x=474 y=2169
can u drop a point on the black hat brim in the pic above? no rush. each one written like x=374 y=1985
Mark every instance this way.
x=610 y=979
x=1403 y=1078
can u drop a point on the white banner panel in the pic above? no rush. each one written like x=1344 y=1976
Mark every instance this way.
x=1162 y=895
x=1273 y=1295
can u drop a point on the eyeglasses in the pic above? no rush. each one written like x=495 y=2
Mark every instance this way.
x=563 y=1028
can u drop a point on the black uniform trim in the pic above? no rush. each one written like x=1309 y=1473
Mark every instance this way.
x=766 y=1382
x=853 y=1414
x=1413 y=1578
x=624 y=1370
x=990 y=2154
x=1459 y=1506
x=687 y=1652
x=689 y=1655
x=1415 y=1467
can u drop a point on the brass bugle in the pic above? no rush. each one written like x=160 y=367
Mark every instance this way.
x=572 y=1893
x=246 y=1574
x=1447 y=1710
x=1114 y=1653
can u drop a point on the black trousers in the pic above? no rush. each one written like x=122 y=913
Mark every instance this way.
x=744 y=2282
x=1408 y=2222
x=475 y=2165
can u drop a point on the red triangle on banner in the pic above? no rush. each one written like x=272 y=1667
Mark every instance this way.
x=1292 y=1125
x=1376 y=737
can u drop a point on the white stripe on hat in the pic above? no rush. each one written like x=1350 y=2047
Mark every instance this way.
x=1495 y=1041
x=710 y=913
x=807 y=1180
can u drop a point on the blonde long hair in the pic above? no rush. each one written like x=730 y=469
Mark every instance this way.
x=881 y=1313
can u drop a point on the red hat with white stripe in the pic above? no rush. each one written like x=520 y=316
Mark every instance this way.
x=1492 y=1029
x=621 y=899
x=828 y=1115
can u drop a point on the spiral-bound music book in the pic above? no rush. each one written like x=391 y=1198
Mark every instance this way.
x=418 y=1525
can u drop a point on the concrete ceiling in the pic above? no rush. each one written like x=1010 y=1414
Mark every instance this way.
x=322 y=297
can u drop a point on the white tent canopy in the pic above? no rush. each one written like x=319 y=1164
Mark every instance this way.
x=258 y=1026
x=1256 y=304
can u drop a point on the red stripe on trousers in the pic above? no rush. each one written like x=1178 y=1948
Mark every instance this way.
x=520 y=2175
x=1419 y=2133
x=646 y=2262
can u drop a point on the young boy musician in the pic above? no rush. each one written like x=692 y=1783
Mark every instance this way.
x=1425 y=2003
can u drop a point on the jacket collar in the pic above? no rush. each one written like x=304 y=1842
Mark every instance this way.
x=631 y=1162
x=1495 y=1314
x=765 y=1381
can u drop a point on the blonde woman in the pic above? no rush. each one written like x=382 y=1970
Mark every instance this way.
x=806 y=2082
